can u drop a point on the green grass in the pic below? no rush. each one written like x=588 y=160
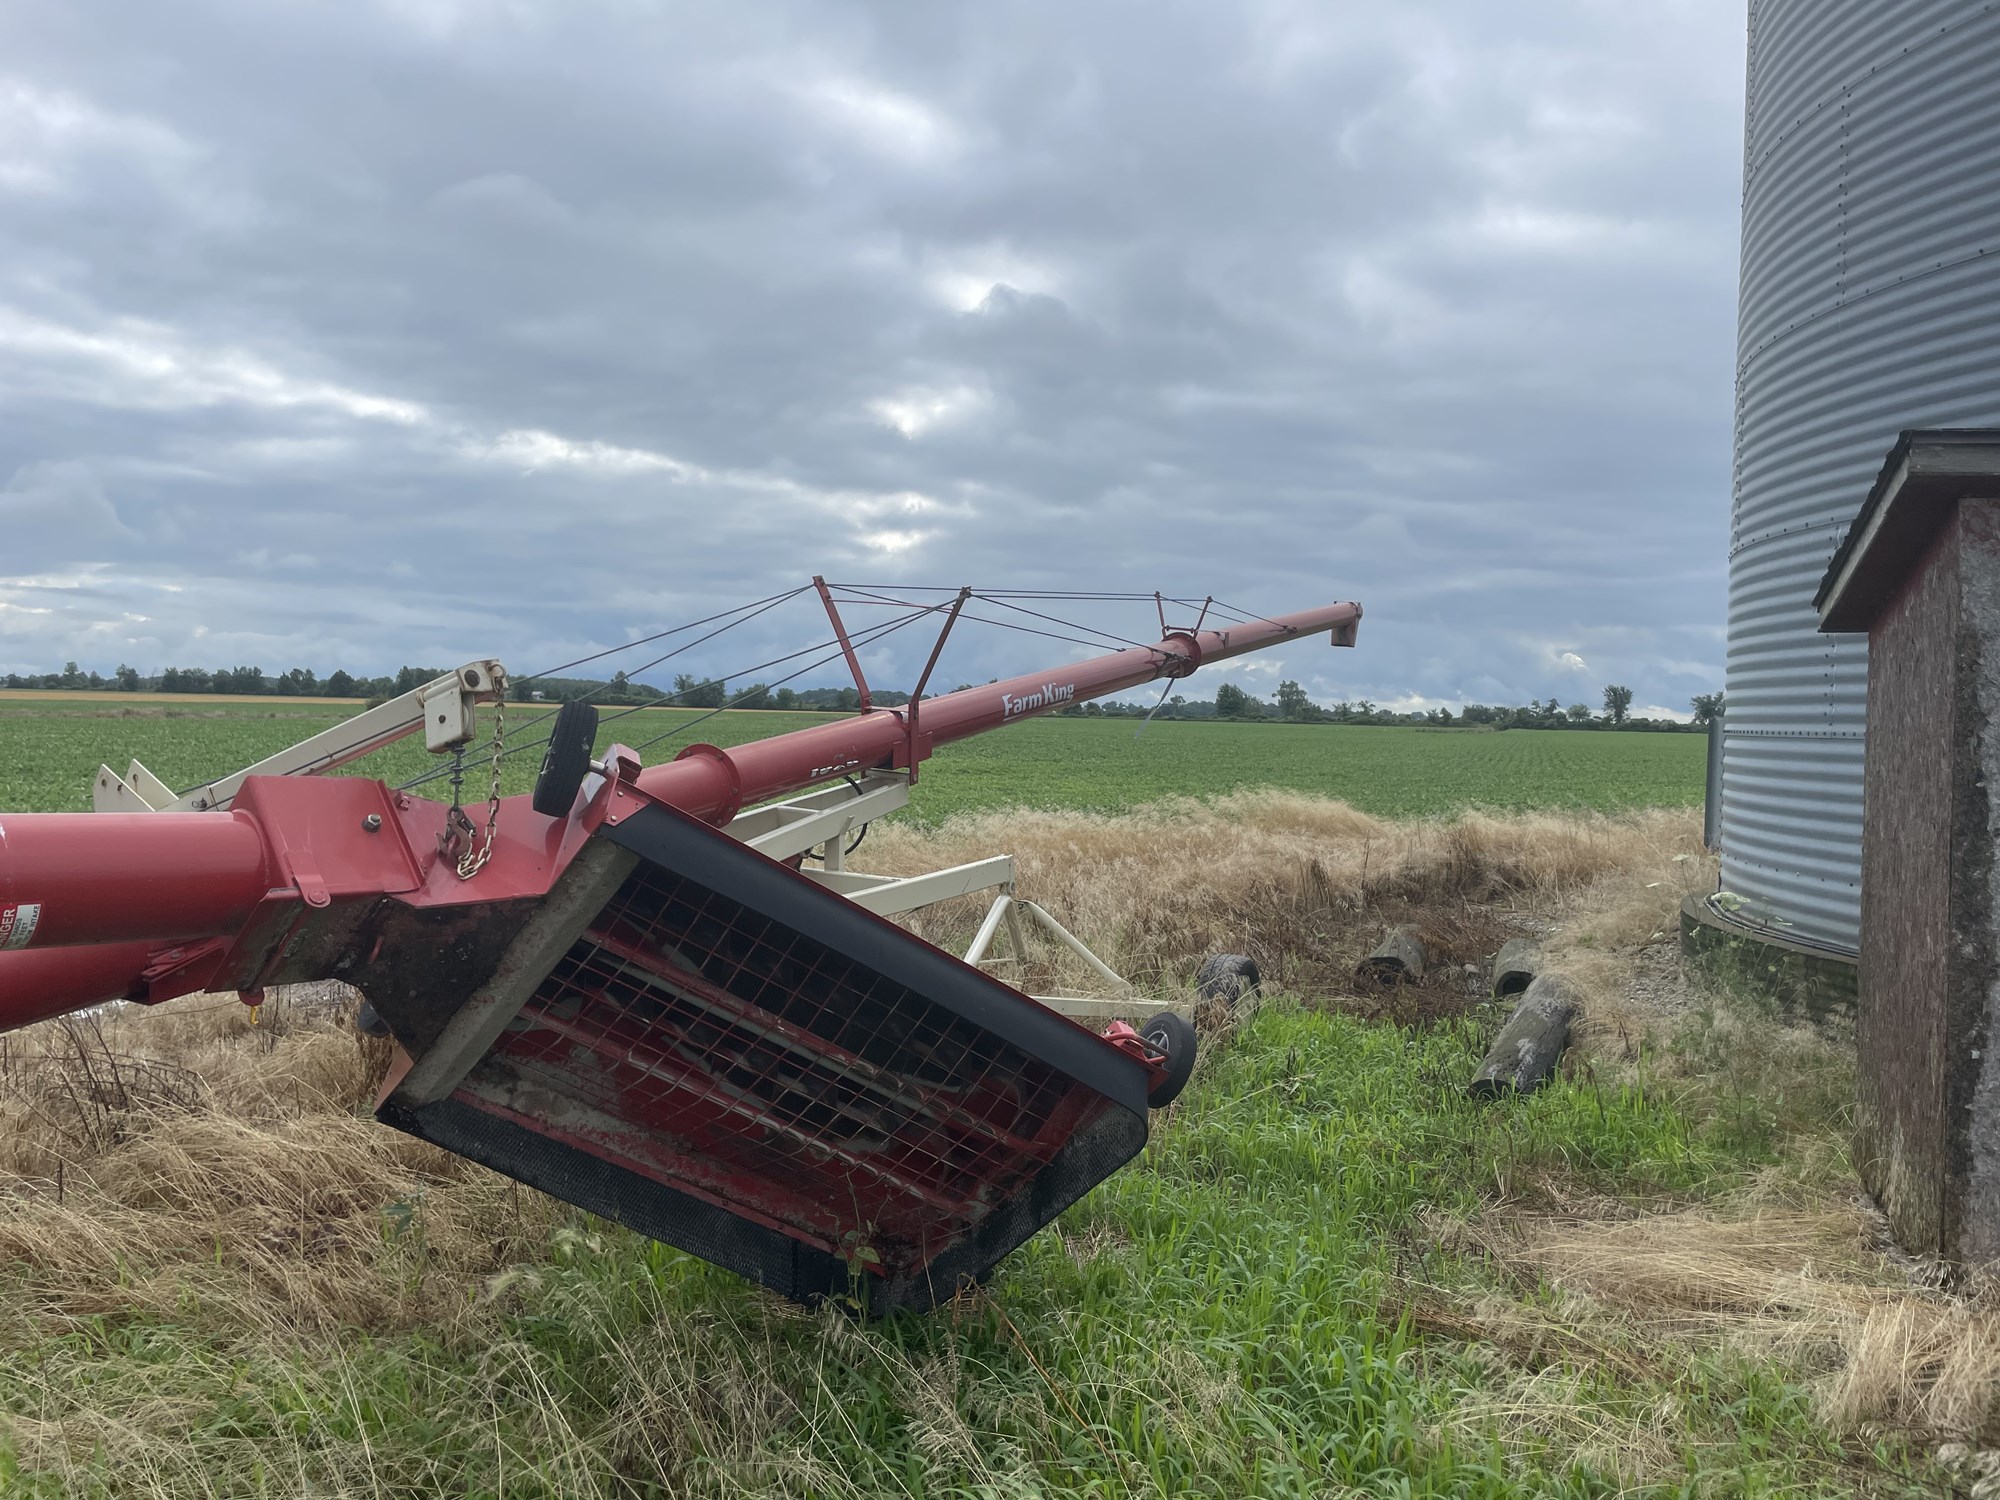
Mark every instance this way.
x=1230 y=1317
x=49 y=750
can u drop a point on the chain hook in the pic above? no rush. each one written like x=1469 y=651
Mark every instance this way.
x=472 y=861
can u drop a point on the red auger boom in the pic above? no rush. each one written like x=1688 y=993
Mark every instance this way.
x=630 y=1009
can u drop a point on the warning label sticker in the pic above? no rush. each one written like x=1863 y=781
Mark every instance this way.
x=17 y=924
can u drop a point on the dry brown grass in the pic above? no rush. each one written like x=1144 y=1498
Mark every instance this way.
x=1795 y=1268
x=255 y=1184
x=1810 y=1287
x=1608 y=1326
x=1306 y=885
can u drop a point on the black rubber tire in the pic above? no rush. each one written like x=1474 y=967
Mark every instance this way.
x=1172 y=1034
x=567 y=760
x=368 y=1021
x=1227 y=977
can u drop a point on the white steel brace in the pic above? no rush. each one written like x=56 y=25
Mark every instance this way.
x=824 y=819
x=443 y=708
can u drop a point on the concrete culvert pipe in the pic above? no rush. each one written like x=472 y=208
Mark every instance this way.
x=1400 y=958
x=1524 y=1056
x=1227 y=978
x=1515 y=966
x=1223 y=985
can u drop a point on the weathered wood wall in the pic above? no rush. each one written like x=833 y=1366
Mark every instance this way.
x=1905 y=898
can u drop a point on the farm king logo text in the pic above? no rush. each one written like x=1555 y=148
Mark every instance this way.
x=1048 y=695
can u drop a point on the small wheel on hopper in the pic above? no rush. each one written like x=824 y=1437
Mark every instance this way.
x=1172 y=1034
x=566 y=761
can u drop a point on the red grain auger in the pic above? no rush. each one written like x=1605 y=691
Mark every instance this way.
x=629 y=990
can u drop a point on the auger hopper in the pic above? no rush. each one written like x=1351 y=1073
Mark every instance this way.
x=630 y=992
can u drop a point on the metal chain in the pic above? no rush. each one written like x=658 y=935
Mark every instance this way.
x=471 y=863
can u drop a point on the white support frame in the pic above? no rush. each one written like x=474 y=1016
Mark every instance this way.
x=443 y=708
x=824 y=819
x=1125 y=1002
x=824 y=816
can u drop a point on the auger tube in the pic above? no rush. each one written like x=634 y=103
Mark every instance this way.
x=101 y=906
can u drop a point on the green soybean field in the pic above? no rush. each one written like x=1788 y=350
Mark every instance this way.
x=51 y=746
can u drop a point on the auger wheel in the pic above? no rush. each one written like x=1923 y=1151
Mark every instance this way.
x=567 y=760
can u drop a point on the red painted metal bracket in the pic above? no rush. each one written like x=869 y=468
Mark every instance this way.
x=917 y=749
x=846 y=646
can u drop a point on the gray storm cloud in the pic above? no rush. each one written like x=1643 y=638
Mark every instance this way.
x=338 y=334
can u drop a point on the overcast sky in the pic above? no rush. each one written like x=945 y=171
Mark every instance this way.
x=342 y=334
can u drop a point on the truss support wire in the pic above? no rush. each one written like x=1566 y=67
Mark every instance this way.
x=844 y=645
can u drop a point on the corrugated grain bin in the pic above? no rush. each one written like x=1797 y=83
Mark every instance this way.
x=1870 y=302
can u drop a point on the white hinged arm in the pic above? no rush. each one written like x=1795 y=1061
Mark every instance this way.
x=443 y=708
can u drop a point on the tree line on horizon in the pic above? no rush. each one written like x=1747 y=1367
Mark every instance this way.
x=1290 y=704
x=301 y=682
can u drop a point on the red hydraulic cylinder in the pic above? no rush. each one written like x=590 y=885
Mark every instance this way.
x=70 y=878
